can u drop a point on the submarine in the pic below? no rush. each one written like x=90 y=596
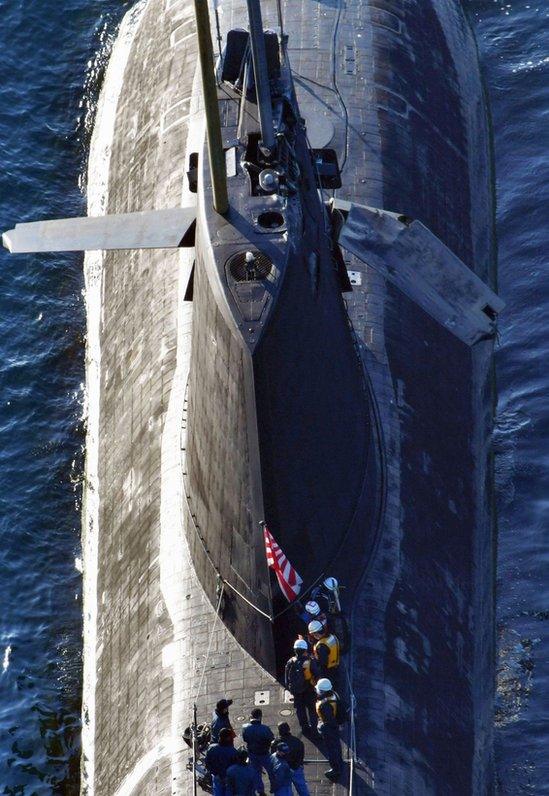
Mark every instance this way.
x=292 y=307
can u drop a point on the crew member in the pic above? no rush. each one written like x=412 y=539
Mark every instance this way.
x=326 y=651
x=296 y=754
x=327 y=596
x=328 y=710
x=313 y=611
x=221 y=719
x=300 y=675
x=282 y=776
x=241 y=776
x=218 y=759
x=258 y=738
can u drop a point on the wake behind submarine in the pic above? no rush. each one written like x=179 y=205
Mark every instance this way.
x=291 y=302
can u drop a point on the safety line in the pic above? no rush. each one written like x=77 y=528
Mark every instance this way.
x=352 y=732
x=259 y=611
x=210 y=642
x=220 y=578
x=215 y=569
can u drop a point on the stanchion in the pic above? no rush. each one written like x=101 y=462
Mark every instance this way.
x=194 y=730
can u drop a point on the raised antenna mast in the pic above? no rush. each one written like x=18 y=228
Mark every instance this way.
x=261 y=75
x=211 y=106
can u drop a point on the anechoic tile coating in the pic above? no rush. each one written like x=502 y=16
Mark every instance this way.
x=416 y=143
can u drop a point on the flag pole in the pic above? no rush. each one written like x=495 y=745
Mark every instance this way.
x=263 y=525
x=336 y=597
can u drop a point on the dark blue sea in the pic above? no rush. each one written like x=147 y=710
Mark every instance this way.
x=513 y=39
x=52 y=59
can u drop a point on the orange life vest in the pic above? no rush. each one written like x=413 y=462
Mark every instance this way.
x=307 y=671
x=333 y=649
x=332 y=701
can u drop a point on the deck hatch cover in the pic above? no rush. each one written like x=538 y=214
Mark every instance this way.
x=355 y=277
x=262 y=698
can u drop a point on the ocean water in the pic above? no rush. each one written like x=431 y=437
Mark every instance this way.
x=513 y=39
x=52 y=57
x=51 y=60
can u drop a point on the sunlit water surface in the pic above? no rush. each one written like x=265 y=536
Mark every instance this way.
x=52 y=57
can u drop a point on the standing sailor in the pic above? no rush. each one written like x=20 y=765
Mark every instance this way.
x=296 y=756
x=219 y=757
x=241 y=777
x=314 y=611
x=326 y=651
x=300 y=676
x=221 y=719
x=282 y=776
x=258 y=738
x=328 y=710
x=327 y=596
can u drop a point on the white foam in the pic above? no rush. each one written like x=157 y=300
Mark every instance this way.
x=98 y=181
x=6 y=661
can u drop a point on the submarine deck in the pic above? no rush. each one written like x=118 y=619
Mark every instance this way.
x=158 y=644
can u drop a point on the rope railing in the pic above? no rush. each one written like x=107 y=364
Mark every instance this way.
x=210 y=642
x=220 y=579
x=352 y=729
x=219 y=576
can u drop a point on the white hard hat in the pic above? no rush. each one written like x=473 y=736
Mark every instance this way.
x=315 y=626
x=300 y=644
x=323 y=686
x=331 y=584
x=312 y=608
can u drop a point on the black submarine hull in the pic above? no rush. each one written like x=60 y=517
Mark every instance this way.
x=392 y=424
x=433 y=672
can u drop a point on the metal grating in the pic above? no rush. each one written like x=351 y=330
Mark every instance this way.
x=237 y=266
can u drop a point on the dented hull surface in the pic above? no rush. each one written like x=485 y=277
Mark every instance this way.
x=393 y=87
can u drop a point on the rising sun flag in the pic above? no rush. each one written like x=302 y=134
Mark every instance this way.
x=288 y=579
